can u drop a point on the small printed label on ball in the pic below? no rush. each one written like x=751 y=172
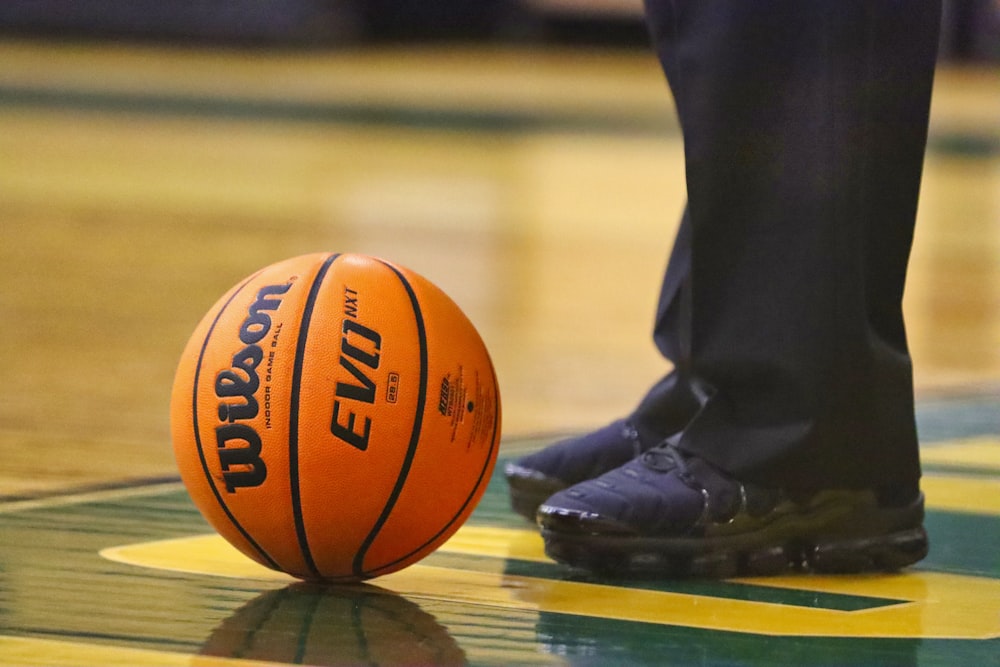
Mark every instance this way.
x=451 y=389
x=484 y=414
x=392 y=389
x=458 y=402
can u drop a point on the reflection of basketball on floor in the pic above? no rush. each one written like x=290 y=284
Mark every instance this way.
x=335 y=417
x=351 y=625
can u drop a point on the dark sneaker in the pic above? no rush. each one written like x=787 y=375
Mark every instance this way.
x=669 y=514
x=665 y=410
x=535 y=477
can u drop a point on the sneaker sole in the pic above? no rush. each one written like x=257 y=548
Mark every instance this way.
x=529 y=489
x=781 y=548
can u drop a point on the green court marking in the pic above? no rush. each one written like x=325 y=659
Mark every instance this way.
x=715 y=589
x=302 y=111
x=960 y=469
x=53 y=584
x=965 y=143
x=959 y=417
x=52 y=553
x=591 y=641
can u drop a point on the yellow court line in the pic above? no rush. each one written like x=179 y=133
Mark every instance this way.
x=963 y=493
x=958 y=493
x=519 y=544
x=981 y=452
x=33 y=652
x=933 y=605
x=103 y=495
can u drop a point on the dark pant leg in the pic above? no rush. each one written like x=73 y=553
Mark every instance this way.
x=672 y=331
x=670 y=404
x=804 y=124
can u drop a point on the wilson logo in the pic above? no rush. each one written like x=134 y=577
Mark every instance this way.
x=238 y=444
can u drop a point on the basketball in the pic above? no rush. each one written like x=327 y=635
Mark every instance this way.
x=335 y=416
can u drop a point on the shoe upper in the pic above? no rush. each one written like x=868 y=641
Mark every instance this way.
x=580 y=458
x=661 y=492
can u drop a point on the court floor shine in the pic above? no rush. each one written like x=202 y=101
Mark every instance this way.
x=139 y=182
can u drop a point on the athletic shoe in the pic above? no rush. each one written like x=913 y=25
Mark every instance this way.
x=535 y=477
x=668 y=514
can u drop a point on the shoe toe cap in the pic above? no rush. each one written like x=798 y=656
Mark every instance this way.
x=595 y=506
x=627 y=501
x=575 y=520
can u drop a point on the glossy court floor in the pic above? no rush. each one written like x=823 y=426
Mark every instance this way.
x=539 y=187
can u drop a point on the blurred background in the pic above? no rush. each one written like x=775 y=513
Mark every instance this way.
x=971 y=31
x=523 y=154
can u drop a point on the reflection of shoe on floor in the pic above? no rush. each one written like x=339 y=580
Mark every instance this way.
x=670 y=514
x=535 y=477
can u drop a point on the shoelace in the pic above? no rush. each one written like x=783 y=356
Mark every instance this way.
x=664 y=458
x=631 y=433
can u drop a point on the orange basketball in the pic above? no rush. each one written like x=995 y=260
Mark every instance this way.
x=335 y=417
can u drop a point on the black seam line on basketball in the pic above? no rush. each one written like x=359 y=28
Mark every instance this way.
x=293 y=416
x=197 y=433
x=418 y=420
x=468 y=499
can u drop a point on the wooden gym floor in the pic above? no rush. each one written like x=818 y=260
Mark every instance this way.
x=540 y=188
